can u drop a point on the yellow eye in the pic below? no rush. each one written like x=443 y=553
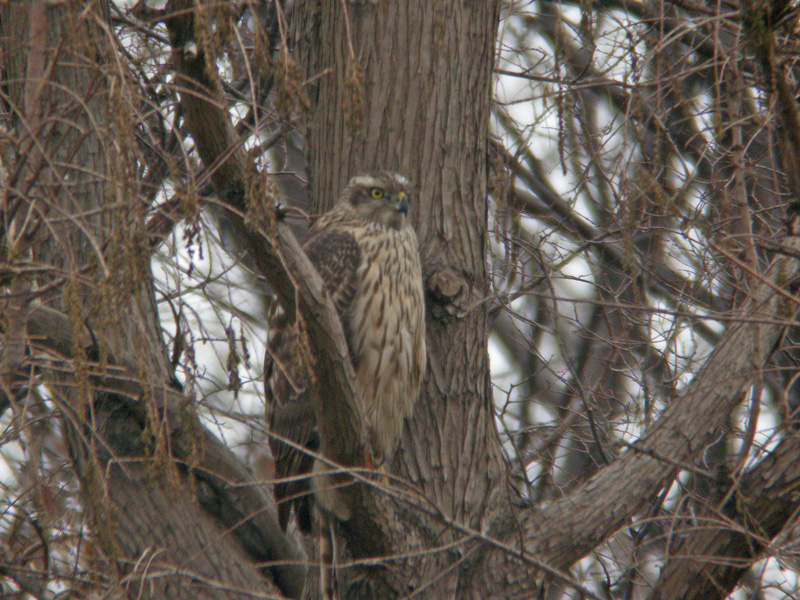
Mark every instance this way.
x=376 y=193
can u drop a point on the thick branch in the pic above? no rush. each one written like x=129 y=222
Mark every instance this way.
x=716 y=555
x=568 y=529
x=229 y=491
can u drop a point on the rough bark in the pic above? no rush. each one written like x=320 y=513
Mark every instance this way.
x=437 y=143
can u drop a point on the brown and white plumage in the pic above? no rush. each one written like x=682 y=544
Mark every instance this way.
x=366 y=252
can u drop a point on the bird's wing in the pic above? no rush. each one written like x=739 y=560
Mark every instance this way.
x=289 y=404
x=335 y=253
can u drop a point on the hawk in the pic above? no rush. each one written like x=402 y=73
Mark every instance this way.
x=366 y=252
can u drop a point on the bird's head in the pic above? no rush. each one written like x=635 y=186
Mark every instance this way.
x=382 y=198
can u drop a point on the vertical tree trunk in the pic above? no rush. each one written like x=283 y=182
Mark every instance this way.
x=405 y=86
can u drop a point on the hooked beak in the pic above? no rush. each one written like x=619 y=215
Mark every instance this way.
x=402 y=203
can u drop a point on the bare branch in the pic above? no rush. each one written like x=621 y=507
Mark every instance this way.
x=597 y=509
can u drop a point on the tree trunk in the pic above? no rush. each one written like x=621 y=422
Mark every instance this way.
x=408 y=85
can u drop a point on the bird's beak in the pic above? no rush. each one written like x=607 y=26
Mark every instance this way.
x=402 y=203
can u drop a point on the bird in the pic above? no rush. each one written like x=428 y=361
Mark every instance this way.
x=366 y=252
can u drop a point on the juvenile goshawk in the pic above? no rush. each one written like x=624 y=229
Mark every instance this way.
x=366 y=252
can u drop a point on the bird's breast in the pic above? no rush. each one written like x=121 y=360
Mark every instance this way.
x=386 y=331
